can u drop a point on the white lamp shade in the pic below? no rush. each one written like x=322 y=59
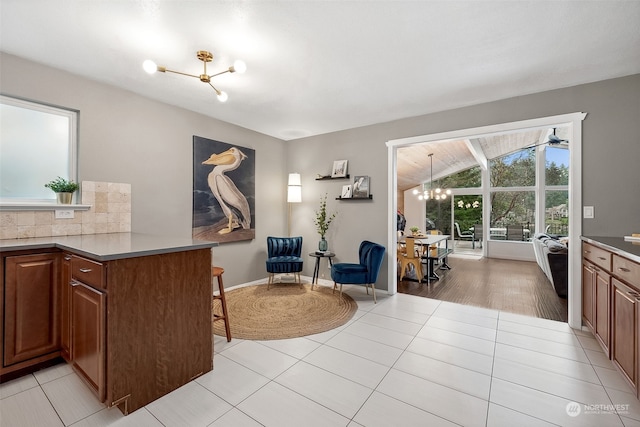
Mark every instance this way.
x=294 y=194
x=294 y=179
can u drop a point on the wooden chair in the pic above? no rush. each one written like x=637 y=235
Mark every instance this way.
x=407 y=256
x=216 y=272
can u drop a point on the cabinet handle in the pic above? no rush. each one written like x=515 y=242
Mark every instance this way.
x=587 y=252
x=74 y=283
x=85 y=270
x=602 y=258
x=67 y=258
x=626 y=270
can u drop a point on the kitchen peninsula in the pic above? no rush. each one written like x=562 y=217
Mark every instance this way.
x=131 y=312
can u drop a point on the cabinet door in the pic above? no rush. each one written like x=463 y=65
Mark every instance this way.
x=601 y=301
x=88 y=335
x=31 y=307
x=588 y=293
x=65 y=308
x=625 y=331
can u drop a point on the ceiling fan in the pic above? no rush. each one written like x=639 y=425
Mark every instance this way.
x=553 y=140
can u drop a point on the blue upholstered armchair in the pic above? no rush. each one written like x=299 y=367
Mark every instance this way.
x=364 y=273
x=283 y=256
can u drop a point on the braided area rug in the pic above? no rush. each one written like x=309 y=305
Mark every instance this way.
x=283 y=311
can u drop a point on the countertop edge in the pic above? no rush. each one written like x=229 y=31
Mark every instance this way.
x=158 y=246
x=600 y=240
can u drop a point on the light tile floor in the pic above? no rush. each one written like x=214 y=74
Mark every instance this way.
x=405 y=361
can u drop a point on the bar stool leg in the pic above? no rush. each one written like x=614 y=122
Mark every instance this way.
x=217 y=273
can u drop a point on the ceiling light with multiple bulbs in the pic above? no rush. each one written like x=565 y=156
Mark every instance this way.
x=433 y=194
x=238 y=67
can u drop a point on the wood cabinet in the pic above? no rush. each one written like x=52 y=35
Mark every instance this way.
x=134 y=327
x=88 y=322
x=611 y=307
x=88 y=335
x=596 y=291
x=31 y=308
x=624 y=345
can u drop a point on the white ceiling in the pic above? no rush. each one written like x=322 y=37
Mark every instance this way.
x=321 y=66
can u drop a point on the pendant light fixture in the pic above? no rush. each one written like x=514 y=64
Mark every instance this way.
x=433 y=194
x=204 y=56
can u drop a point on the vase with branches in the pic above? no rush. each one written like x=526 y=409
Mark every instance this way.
x=322 y=222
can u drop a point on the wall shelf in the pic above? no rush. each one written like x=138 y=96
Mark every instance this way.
x=328 y=177
x=356 y=198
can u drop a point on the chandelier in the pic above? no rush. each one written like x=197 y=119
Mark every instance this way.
x=433 y=194
x=204 y=56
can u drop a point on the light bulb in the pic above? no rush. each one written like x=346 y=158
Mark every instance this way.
x=438 y=191
x=222 y=96
x=239 y=66
x=448 y=192
x=420 y=197
x=415 y=191
x=149 y=66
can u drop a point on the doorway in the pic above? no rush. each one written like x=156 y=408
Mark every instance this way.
x=574 y=123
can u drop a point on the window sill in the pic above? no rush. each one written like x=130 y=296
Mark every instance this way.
x=16 y=206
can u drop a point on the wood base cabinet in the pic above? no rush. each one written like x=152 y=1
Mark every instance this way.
x=611 y=306
x=31 y=309
x=596 y=291
x=134 y=328
x=624 y=346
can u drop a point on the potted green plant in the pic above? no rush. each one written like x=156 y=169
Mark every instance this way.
x=414 y=230
x=63 y=188
x=322 y=222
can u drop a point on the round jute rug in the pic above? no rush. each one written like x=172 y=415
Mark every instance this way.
x=283 y=311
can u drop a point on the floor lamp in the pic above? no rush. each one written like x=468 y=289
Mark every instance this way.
x=294 y=195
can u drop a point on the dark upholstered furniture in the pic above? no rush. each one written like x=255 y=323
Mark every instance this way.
x=363 y=273
x=283 y=256
x=552 y=257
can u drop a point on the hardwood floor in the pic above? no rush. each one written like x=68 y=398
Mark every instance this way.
x=514 y=286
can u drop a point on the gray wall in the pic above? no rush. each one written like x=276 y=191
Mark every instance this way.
x=127 y=138
x=611 y=158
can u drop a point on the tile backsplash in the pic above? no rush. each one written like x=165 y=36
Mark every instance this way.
x=110 y=212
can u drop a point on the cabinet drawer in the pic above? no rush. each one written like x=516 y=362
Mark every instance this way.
x=598 y=256
x=87 y=271
x=627 y=270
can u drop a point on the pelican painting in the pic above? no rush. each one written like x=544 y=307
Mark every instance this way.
x=223 y=191
x=233 y=203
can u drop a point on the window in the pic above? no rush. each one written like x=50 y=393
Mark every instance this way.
x=37 y=144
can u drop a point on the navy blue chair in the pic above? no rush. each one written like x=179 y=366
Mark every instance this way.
x=283 y=256
x=364 y=273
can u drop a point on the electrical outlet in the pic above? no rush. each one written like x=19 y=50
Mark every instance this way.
x=588 y=212
x=65 y=213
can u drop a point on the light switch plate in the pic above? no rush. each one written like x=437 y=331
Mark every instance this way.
x=587 y=212
x=65 y=213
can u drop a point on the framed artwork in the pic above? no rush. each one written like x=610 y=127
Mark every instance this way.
x=360 y=187
x=346 y=192
x=339 y=169
x=223 y=191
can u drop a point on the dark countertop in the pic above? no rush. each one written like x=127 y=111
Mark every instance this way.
x=617 y=245
x=107 y=247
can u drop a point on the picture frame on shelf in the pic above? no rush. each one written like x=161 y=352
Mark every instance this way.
x=346 y=192
x=360 y=189
x=339 y=169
